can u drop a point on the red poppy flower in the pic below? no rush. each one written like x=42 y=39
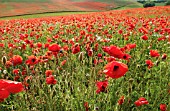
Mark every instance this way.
x=54 y=48
x=144 y=37
x=31 y=45
x=131 y=46
x=65 y=47
x=115 y=69
x=101 y=86
x=46 y=45
x=16 y=71
x=149 y=63
x=126 y=57
x=86 y=105
x=99 y=55
x=39 y=45
x=11 y=86
x=75 y=49
x=141 y=101
x=90 y=52
x=120 y=31
x=96 y=46
x=121 y=100
x=1 y=45
x=95 y=61
x=51 y=80
x=16 y=78
x=113 y=51
x=154 y=53
x=49 y=54
x=163 y=107
x=16 y=60
x=106 y=49
x=161 y=38
x=3 y=94
x=110 y=59
x=63 y=62
x=8 y=64
x=48 y=72
x=32 y=60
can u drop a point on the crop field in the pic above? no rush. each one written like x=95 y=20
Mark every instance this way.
x=22 y=7
x=102 y=61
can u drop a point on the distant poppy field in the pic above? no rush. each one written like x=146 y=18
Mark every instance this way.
x=103 y=61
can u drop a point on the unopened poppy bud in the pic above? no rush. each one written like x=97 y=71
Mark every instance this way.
x=76 y=44
x=157 y=63
x=4 y=59
x=81 y=56
x=131 y=80
x=61 y=51
x=164 y=56
x=96 y=108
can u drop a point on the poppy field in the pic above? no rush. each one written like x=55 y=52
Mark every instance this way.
x=102 y=61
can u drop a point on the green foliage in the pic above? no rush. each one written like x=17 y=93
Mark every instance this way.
x=167 y=3
x=148 y=4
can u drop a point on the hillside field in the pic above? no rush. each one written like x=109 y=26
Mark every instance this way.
x=22 y=7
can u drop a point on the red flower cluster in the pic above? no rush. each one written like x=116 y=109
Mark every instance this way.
x=7 y=87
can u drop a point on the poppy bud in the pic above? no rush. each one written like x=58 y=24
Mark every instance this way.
x=81 y=56
x=164 y=56
x=157 y=63
x=4 y=59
